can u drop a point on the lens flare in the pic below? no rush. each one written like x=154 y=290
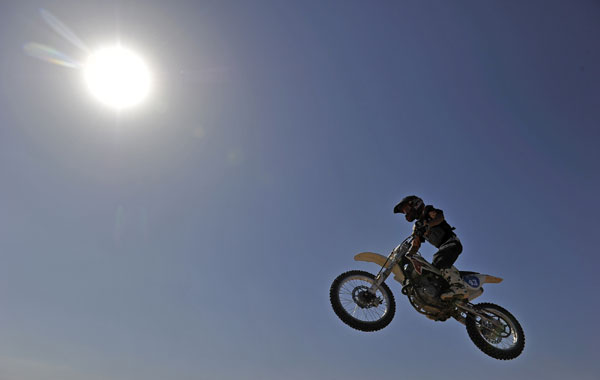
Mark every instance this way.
x=62 y=30
x=51 y=55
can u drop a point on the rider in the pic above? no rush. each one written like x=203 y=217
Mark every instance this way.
x=430 y=225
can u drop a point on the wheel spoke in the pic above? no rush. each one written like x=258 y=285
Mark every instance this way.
x=347 y=292
x=360 y=306
x=503 y=339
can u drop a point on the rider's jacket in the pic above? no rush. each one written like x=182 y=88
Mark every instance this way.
x=437 y=235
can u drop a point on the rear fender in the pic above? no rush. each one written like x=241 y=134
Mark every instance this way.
x=487 y=279
x=475 y=281
x=380 y=260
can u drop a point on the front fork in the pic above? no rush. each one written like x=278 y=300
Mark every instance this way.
x=386 y=270
x=380 y=278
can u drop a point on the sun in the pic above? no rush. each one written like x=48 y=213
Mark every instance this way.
x=117 y=77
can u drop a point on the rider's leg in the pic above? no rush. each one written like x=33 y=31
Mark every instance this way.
x=443 y=260
x=457 y=287
x=447 y=254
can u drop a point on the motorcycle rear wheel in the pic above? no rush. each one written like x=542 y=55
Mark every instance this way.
x=505 y=341
x=356 y=307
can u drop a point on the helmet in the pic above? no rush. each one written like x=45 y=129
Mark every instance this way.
x=415 y=209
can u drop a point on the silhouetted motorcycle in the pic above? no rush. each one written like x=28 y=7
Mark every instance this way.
x=364 y=302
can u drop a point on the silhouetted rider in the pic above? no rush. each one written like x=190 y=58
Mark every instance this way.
x=431 y=226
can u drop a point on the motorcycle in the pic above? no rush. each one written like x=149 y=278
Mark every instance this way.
x=364 y=301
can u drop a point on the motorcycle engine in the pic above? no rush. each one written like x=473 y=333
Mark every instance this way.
x=428 y=289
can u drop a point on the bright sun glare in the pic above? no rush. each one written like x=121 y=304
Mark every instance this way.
x=117 y=77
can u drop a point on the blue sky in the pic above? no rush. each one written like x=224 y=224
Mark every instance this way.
x=196 y=236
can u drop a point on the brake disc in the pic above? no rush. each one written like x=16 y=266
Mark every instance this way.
x=363 y=298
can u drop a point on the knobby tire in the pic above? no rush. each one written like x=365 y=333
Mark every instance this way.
x=485 y=346
x=348 y=319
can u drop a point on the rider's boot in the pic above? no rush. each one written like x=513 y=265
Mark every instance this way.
x=457 y=287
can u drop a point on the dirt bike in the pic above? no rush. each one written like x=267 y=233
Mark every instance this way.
x=365 y=302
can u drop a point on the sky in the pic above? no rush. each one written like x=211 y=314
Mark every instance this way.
x=196 y=235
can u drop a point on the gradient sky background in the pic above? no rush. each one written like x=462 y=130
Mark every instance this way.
x=196 y=236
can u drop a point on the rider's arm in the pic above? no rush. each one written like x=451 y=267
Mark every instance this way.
x=416 y=243
x=435 y=217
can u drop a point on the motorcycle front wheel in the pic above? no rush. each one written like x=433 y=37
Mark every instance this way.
x=356 y=306
x=498 y=333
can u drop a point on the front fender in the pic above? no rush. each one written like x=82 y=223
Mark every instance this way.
x=380 y=260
